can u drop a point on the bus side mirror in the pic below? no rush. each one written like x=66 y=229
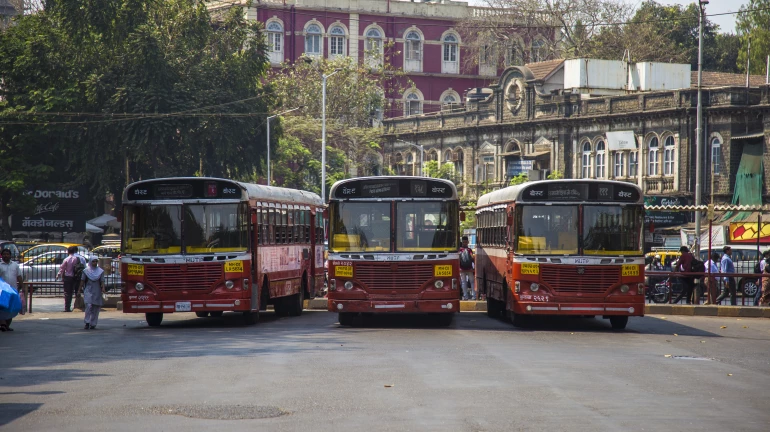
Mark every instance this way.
x=462 y=216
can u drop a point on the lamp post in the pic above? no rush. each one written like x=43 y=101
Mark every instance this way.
x=699 y=127
x=422 y=155
x=323 y=135
x=269 y=178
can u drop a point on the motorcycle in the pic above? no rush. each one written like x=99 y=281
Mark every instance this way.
x=660 y=292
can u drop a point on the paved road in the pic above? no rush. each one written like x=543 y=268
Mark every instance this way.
x=307 y=373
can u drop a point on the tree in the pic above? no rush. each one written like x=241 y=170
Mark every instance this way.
x=753 y=24
x=518 y=179
x=444 y=171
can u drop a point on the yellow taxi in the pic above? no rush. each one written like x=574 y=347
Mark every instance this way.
x=51 y=247
x=667 y=256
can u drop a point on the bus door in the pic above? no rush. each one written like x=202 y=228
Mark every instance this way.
x=256 y=238
x=510 y=238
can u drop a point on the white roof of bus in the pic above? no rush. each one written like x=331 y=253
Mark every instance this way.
x=513 y=193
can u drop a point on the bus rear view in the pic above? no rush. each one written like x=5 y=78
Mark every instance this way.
x=393 y=247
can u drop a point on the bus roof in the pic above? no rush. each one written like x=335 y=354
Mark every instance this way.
x=565 y=191
x=393 y=187
x=210 y=188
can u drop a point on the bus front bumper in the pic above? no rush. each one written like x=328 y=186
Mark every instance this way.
x=409 y=306
x=187 y=306
x=566 y=308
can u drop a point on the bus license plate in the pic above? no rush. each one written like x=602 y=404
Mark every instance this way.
x=343 y=271
x=442 y=271
x=234 y=267
x=530 y=269
x=183 y=307
x=630 y=270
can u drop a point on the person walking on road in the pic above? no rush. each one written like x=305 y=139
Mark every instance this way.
x=729 y=282
x=92 y=286
x=760 y=282
x=764 y=299
x=467 y=274
x=684 y=264
x=712 y=282
x=67 y=272
x=11 y=274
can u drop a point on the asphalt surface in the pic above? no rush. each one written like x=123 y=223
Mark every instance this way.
x=671 y=373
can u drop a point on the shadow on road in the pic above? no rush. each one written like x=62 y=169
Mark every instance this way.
x=12 y=411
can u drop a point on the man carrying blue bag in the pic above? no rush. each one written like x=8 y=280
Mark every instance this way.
x=10 y=280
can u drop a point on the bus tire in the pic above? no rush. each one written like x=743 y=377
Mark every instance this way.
x=250 y=318
x=444 y=319
x=346 y=318
x=153 y=318
x=280 y=306
x=216 y=314
x=296 y=303
x=518 y=320
x=618 y=322
x=201 y=314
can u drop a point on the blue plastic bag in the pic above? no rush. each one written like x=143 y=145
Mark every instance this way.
x=10 y=301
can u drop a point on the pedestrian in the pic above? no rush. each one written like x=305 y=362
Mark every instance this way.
x=92 y=287
x=762 y=264
x=11 y=274
x=728 y=267
x=68 y=272
x=712 y=281
x=764 y=300
x=467 y=274
x=684 y=264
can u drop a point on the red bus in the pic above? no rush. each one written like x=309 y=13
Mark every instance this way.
x=208 y=245
x=393 y=247
x=562 y=247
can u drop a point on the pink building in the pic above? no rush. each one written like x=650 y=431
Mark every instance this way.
x=424 y=34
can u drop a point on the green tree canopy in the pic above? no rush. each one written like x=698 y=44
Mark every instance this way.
x=754 y=23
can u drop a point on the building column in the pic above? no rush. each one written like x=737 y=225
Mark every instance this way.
x=355 y=36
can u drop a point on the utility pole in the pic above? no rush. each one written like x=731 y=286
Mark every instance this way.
x=699 y=128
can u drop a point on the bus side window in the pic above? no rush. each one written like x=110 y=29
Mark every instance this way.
x=285 y=224
x=271 y=225
x=259 y=225
x=298 y=226
x=290 y=226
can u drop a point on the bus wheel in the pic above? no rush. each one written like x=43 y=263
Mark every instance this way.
x=618 y=322
x=444 y=319
x=517 y=320
x=201 y=314
x=250 y=318
x=279 y=305
x=153 y=318
x=346 y=318
x=297 y=303
x=216 y=314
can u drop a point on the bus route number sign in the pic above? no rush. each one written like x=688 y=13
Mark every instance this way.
x=343 y=271
x=234 y=267
x=530 y=269
x=630 y=270
x=442 y=271
x=135 y=270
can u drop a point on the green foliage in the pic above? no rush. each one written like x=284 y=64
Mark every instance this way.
x=469 y=222
x=519 y=179
x=754 y=23
x=444 y=171
x=555 y=175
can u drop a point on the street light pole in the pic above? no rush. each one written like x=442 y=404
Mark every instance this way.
x=422 y=155
x=323 y=135
x=699 y=127
x=269 y=178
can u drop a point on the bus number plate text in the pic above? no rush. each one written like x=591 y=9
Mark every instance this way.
x=530 y=269
x=135 y=270
x=630 y=270
x=234 y=267
x=343 y=271
x=442 y=271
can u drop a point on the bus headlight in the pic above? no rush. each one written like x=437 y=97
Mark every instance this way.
x=624 y=288
x=438 y=284
x=517 y=286
x=534 y=287
x=229 y=284
x=348 y=285
x=139 y=286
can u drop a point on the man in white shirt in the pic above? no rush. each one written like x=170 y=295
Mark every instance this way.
x=11 y=274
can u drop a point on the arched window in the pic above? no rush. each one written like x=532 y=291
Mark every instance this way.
x=514 y=55
x=538 y=52
x=716 y=156
x=586 y=160
x=373 y=47
x=620 y=163
x=487 y=59
x=313 y=40
x=450 y=63
x=459 y=160
x=337 y=43
x=652 y=157
x=409 y=164
x=633 y=164
x=412 y=104
x=449 y=99
x=275 y=42
x=413 y=51
x=668 y=156
x=601 y=160
x=432 y=156
x=448 y=156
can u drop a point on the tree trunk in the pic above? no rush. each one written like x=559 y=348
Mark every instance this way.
x=5 y=217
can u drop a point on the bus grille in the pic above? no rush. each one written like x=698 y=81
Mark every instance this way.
x=383 y=276
x=201 y=276
x=567 y=279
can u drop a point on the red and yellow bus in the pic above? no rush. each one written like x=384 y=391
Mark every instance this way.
x=393 y=247
x=562 y=247
x=208 y=245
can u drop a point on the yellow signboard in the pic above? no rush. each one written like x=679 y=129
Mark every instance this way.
x=442 y=271
x=234 y=267
x=630 y=270
x=747 y=232
x=343 y=271
x=135 y=270
x=530 y=268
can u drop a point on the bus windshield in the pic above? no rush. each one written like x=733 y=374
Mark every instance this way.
x=215 y=228
x=612 y=230
x=154 y=229
x=426 y=226
x=548 y=230
x=360 y=227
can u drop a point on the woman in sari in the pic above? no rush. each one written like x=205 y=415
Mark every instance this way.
x=92 y=287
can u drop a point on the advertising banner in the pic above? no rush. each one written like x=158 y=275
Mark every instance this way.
x=747 y=232
x=663 y=219
x=518 y=166
x=56 y=210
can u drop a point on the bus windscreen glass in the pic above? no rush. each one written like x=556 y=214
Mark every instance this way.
x=426 y=226
x=216 y=228
x=152 y=229
x=612 y=230
x=547 y=230
x=360 y=227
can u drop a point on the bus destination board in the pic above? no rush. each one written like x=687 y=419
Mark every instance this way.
x=577 y=191
x=394 y=188
x=170 y=189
